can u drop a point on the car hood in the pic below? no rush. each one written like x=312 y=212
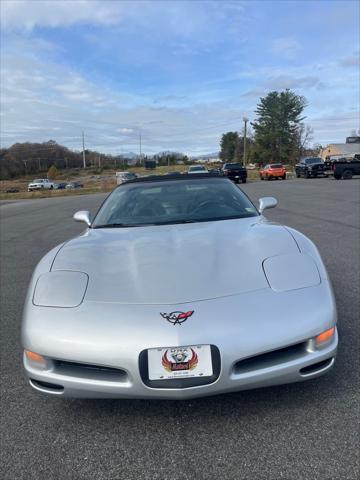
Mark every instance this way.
x=177 y=263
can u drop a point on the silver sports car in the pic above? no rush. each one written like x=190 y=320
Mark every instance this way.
x=178 y=288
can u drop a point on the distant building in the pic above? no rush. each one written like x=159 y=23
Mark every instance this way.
x=348 y=149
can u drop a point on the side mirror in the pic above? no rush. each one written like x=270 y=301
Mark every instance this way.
x=82 y=216
x=267 y=202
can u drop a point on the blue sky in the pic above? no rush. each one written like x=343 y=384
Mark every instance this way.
x=182 y=72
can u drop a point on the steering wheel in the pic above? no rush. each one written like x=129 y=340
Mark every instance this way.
x=205 y=204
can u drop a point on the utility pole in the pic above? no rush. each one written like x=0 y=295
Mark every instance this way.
x=245 y=122
x=140 y=147
x=83 y=152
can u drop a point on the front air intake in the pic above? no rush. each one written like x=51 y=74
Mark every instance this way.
x=270 y=359
x=90 y=371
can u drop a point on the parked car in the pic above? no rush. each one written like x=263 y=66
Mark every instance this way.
x=346 y=170
x=122 y=177
x=74 y=185
x=310 y=167
x=235 y=172
x=197 y=169
x=206 y=297
x=12 y=190
x=59 y=186
x=41 y=184
x=272 y=171
x=215 y=171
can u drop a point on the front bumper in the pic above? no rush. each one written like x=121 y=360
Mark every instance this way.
x=286 y=365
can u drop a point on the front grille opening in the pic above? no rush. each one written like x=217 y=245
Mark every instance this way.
x=90 y=372
x=270 y=359
x=47 y=386
x=315 y=367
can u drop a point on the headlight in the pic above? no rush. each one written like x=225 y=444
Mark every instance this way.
x=60 y=288
x=290 y=272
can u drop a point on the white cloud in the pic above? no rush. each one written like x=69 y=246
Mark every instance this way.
x=27 y=14
x=125 y=130
x=351 y=60
x=287 y=48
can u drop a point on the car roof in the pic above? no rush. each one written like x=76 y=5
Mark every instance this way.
x=176 y=178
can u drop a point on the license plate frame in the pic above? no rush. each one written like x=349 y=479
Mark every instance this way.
x=180 y=362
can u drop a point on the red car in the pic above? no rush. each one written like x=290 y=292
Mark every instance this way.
x=271 y=171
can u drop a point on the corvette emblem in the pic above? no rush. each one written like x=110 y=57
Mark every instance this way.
x=177 y=318
x=180 y=359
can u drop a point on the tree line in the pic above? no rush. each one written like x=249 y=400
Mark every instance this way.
x=278 y=133
x=35 y=158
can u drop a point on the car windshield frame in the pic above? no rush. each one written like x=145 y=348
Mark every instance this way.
x=219 y=195
x=310 y=161
x=233 y=166
x=197 y=168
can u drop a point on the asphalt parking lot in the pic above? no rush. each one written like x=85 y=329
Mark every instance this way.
x=299 y=431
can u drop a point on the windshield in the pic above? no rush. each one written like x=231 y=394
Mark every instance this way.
x=313 y=160
x=38 y=181
x=233 y=166
x=173 y=201
x=276 y=165
x=197 y=169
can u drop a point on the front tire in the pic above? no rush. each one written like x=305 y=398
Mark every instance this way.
x=243 y=180
x=284 y=177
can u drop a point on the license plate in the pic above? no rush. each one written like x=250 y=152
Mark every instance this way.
x=179 y=362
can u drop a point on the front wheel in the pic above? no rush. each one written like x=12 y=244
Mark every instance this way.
x=298 y=175
x=243 y=180
x=284 y=177
x=337 y=177
x=307 y=175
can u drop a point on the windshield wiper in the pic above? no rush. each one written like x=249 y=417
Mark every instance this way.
x=174 y=222
x=121 y=225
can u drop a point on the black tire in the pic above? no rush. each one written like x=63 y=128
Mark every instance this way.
x=243 y=180
x=307 y=175
x=261 y=177
x=347 y=174
x=298 y=175
x=284 y=177
x=236 y=181
x=268 y=178
x=337 y=177
x=51 y=187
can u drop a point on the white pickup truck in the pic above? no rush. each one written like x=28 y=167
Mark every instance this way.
x=41 y=184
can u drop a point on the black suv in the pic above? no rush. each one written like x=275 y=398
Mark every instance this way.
x=310 y=167
x=235 y=172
